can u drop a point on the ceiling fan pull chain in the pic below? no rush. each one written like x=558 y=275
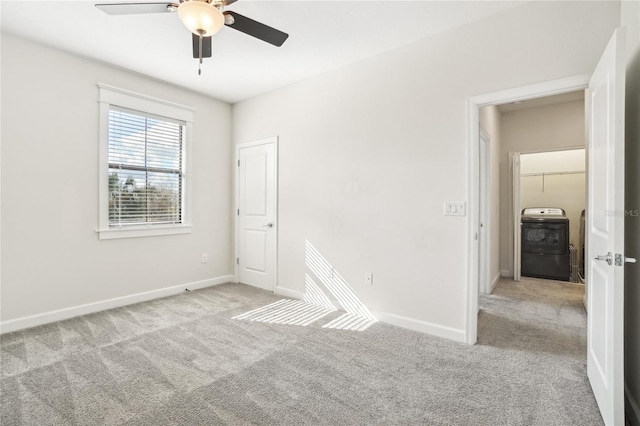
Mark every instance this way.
x=201 y=34
x=200 y=52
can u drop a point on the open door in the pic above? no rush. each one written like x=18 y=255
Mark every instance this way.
x=605 y=259
x=515 y=167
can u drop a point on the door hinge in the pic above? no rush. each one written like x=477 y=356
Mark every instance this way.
x=238 y=212
x=237 y=260
x=238 y=163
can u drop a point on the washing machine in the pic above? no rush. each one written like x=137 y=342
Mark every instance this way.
x=545 y=243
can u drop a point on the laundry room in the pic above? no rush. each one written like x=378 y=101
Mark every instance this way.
x=552 y=202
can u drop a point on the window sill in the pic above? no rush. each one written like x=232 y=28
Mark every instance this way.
x=142 y=231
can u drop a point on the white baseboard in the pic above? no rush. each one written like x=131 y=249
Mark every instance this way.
x=494 y=282
x=393 y=319
x=506 y=273
x=74 y=311
x=287 y=292
x=634 y=413
x=421 y=326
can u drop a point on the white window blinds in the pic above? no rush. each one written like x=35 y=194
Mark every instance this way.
x=146 y=168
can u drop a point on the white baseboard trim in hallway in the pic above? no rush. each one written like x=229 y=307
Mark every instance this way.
x=506 y=273
x=634 y=413
x=495 y=282
x=89 y=308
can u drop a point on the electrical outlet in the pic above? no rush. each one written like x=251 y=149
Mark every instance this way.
x=368 y=277
x=205 y=258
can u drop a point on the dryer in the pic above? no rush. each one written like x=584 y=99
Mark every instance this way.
x=545 y=243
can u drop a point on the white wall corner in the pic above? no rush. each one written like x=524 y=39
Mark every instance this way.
x=634 y=414
x=422 y=326
x=89 y=308
x=506 y=273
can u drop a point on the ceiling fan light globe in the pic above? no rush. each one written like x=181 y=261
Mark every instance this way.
x=201 y=18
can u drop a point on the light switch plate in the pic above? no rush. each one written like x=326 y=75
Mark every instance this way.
x=455 y=208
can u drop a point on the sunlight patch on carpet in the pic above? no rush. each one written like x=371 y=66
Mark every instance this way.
x=287 y=311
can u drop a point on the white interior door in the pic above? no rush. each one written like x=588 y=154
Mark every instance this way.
x=515 y=167
x=605 y=232
x=257 y=209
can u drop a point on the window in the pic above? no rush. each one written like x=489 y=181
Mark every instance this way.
x=145 y=169
x=143 y=177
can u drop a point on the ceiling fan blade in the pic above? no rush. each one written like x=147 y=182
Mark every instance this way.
x=206 y=46
x=133 y=8
x=256 y=29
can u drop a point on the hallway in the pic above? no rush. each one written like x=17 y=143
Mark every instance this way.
x=535 y=315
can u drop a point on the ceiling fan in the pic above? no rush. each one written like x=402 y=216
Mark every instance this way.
x=203 y=18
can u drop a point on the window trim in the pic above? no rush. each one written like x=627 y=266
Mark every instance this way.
x=113 y=96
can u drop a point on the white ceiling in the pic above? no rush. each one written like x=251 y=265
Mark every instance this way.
x=323 y=35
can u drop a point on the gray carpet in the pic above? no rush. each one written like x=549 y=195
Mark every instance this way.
x=183 y=360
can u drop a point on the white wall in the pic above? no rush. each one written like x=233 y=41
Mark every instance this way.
x=370 y=152
x=490 y=122
x=630 y=17
x=537 y=129
x=572 y=160
x=52 y=258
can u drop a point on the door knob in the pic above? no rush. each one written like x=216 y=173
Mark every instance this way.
x=268 y=225
x=607 y=258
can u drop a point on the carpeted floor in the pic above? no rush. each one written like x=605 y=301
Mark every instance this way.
x=183 y=360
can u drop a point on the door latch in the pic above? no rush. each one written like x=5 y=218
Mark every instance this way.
x=620 y=259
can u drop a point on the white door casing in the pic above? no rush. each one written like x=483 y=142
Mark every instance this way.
x=605 y=232
x=483 y=226
x=517 y=237
x=256 y=237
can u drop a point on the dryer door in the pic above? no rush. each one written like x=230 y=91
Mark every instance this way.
x=544 y=238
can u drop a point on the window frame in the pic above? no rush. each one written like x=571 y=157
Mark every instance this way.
x=113 y=96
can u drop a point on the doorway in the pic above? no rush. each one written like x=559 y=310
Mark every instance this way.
x=549 y=205
x=541 y=146
x=256 y=212
x=552 y=206
x=555 y=87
